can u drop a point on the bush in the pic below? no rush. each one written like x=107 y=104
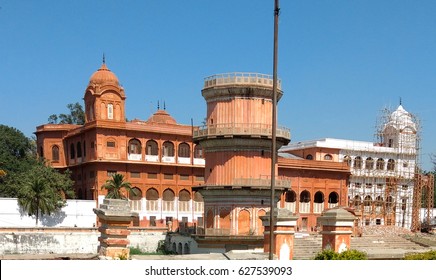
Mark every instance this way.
x=346 y=255
x=430 y=255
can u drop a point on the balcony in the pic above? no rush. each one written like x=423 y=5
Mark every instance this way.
x=241 y=129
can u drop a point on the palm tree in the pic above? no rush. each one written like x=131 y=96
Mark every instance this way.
x=37 y=199
x=115 y=185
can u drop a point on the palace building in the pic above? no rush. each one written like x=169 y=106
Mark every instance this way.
x=157 y=156
x=214 y=179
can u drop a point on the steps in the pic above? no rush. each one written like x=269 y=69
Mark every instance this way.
x=306 y=246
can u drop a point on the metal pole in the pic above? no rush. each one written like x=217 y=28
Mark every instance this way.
x=274 y=128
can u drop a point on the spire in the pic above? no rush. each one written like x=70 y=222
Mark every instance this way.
x=104 y=59
x=164 y=106
x=158 y=105
x=401 y=103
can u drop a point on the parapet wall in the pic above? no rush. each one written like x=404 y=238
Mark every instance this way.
x=68 y=240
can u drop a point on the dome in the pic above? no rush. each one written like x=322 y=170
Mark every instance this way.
x=400 y=118
x=161 y=116
x=103 y=76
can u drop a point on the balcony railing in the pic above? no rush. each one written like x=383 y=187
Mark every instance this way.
x=238 y=78
x=252 y=129
x=265 y=183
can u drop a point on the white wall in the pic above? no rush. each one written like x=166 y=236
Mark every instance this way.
x=77 y=213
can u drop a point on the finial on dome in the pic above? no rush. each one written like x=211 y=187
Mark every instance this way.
x=164 y=106
x=104 y=59
x=401 y=103
x=158 y=105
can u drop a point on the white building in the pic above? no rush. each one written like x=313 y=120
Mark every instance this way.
x=381 y=184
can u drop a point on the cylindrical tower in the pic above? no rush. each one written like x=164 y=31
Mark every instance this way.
x=236 y=140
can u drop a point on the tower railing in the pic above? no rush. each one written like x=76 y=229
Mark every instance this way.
x=240 y=78
x=254 y=129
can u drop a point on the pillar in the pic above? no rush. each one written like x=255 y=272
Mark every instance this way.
x=114 y=217
x=337 y=227
x=283 y=230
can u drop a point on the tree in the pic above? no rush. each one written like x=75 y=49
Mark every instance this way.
x=76 y=115
x=115 y=185
x=17 y=155
x=43 y=190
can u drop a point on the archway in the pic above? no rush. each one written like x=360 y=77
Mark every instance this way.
x=244 y=222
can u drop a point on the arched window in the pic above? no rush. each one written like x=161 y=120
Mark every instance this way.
x=198 y=152
x=367 y=204
x=333 y=197
x=135 y=199
x=168 y=149
x=358 y=163
x=328 y=157
x=184 y=199
x=184 y=150
x=305 y=196
x=168 y=200
x=55 y=153
x=152 y=149
x=184 y=195
x=134 y=147
x=369 y=163
x=389 y=204
x=309 y=157
x=79 y=150
x=391 y=165
x=319 y=197
x=367 y=201
x=152 y=196
x=135 y=194
x=198 y=202
x=110 y=111
x=72 y=151
x=378 y=204
x=291 y=196
x=380 y=164
x=357 y=201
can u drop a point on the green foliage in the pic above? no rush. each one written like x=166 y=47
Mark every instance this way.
x=17 y=156
x=115 y=185
x=345 y=255
x=76 y=115
x=17 y=152
x=42 y=190
x=430 y=255
x=159 y=251
x=122 y=256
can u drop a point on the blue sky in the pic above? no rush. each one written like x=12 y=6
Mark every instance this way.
x=340 y=61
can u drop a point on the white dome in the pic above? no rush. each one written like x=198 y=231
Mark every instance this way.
x=401 y=119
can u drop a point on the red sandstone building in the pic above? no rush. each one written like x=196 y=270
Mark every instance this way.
x=165 y=162
x=157 y=156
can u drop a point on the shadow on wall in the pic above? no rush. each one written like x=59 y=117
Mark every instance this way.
x=52 y=220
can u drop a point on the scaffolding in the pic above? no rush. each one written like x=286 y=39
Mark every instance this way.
x=386 y=186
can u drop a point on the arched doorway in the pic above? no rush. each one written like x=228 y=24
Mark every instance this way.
x=244 y=222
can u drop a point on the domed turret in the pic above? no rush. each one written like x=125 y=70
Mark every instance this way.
x=400 y=130
x=103 y=76
x=401 y=119
x=104 y=97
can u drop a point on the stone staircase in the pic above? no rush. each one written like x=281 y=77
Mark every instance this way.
x=306 y=246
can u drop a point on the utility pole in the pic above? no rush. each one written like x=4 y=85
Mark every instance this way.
x=274 y=128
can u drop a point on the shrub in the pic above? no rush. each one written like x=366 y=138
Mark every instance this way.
x=430 y=255
x=346 y=255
